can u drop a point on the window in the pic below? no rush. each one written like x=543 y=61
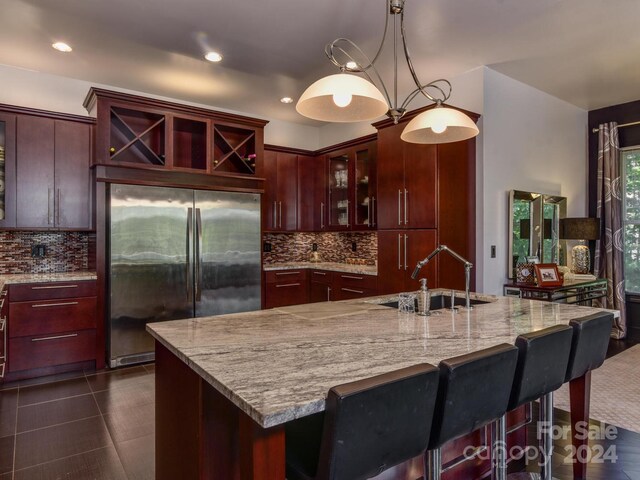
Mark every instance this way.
x=631 y=218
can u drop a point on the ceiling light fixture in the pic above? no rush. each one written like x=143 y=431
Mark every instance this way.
x=62 y=47
x=346 y=97
x=286 y=100
x=213 y=56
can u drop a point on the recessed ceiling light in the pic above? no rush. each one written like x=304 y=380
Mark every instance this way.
x=213 y=56
x=351 y=65
x=286 y=100
x=62 y=47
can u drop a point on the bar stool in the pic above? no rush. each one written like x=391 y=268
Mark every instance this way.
x=543 y=357
x=589 y=346
x=368 y=426
x=474 y=391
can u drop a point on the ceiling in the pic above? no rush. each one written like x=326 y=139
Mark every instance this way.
x=582 y=51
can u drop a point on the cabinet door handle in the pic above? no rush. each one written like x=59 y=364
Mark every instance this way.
x=57 y=206
x=352 y=291
x=49 y=201
x=399 y=251
x=369 y=213
x=399 y=207
x=406 y=221
x=280 y=210
x=351 y=277
x=296 y=272
x=328 y=294
x=405 y=252
x=61 y=304
x=42 y=339
x=49 y=287
x=373 y=211
x=288 y=285
x=3 y=323
x=319 y=273
x=275 y=214
x=2 y=372
x=321 y=215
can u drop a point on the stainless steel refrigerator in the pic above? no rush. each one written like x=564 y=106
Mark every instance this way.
x=177 y=253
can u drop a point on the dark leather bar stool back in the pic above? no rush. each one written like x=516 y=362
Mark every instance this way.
x=474 y=390
x=367 y=427
x=590 y=342
x=543 y=357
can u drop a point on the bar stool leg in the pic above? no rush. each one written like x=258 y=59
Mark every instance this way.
x=500 y=449
x=433 y=464
x=546 y=419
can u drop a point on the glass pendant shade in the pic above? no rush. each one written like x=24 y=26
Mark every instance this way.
x=342 y=98
x=440 y=125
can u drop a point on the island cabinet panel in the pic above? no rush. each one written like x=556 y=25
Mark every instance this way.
x=407 y=182
x=286 y=287
x=52 y=327
x=398 y=253
x=280 y=205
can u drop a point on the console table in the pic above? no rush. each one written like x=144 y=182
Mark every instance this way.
x=580 y=293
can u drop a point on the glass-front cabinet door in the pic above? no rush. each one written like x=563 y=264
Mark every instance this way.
x=364 y=189
x=339 y=205
x=7 y=170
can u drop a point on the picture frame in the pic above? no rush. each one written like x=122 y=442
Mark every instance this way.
x=525 y=273
x=548 y=275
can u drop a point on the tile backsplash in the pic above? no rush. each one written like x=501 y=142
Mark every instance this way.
x=332 y=247
x=65 y=252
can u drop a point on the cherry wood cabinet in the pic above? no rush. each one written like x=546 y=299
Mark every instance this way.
x=320 y=286
x=53 y=181
x=311 y=193
x=280 y=200
x=286 y=287
x=4 y=335
x=8 y=145
x=398 y=253
x=52 y=327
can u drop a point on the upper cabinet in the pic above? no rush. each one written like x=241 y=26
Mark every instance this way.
x=150 y=133
x=280 y=200
x=7 y=170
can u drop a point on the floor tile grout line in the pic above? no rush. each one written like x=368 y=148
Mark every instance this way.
x=108 y=431
x=64 y=458
x=15 y=438
x=54 y=400
x=58 y=424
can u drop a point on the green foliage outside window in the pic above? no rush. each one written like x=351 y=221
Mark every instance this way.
x=631 y=159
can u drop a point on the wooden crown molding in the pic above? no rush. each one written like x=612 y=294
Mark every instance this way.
x=331 y=148
x=46 y=113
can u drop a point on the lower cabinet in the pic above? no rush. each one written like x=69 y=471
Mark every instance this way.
x=294 y=287
x=4 y=336
x=51 y=327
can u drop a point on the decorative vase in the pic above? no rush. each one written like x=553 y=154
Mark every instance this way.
x=580 y=259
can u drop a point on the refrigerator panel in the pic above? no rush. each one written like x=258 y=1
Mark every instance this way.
x=151 y=265
x=227 y=268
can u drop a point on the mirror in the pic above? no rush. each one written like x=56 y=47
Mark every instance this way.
x=534 y=222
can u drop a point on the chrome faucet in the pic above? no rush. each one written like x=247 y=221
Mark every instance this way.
x=467 y=269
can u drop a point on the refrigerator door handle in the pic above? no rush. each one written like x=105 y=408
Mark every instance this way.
x=189 y=244
x=198 y=255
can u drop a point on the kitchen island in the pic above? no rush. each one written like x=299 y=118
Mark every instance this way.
x=226 y=385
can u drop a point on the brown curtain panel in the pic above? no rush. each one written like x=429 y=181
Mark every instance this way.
x=609 y=259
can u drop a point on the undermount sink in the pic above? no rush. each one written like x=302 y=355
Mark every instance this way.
x=438 y=302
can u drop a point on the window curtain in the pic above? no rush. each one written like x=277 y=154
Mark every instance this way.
x=609 y=258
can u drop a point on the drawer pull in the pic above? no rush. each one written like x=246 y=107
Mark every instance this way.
x=3 y=324
x=2 y=367
x=3 y=293
x=351 y=277
x=54 y=286
x=352 y=291
x=42 y=305
x=288 y=285
x=287 y=273
x=54 y=338
x=319 y=273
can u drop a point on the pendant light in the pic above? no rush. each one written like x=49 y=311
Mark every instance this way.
x=346 y=97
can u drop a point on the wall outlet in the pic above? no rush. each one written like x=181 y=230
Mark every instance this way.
x=38 y=251
x=314 y=247
x=493 y=251
x=266 y=247
x=353 y=246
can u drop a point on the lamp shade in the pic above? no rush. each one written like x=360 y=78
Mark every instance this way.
x=360 y=98
x=440 y=125
x=580 y=228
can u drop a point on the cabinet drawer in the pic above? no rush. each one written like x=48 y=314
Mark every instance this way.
x=51 y=316
x=47 y=291
x=285 y=276
x=353 y=280
x=287 y=293
x=49 y=350
x=321 y=276
x=348 y=293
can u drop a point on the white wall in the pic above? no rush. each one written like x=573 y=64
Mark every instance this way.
x=27 y=88
x=531 y=141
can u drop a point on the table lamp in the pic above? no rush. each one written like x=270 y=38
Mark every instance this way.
x=580 y=229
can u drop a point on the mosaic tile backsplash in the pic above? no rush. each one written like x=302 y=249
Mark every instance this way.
x=332 y=247
x=65 y=252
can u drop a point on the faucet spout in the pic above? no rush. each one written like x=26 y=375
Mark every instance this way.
x=467 y=268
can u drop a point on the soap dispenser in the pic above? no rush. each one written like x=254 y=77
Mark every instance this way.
x=424 y=299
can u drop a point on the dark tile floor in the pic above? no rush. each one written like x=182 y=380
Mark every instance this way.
x=79 y=426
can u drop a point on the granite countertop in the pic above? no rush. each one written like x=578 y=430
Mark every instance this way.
x=277 y=365
x=331 y=266
x=8 y=279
